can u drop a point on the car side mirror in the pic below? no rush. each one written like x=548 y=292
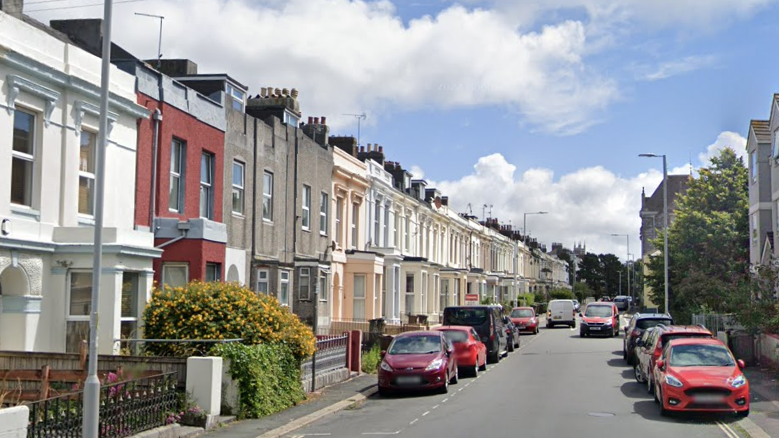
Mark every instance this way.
x=383 y=353
x=580 y=314
x=626 y=329
x=741 y=364
x=660 y=364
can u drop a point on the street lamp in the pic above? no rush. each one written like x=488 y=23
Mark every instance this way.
x=665 y=220
x=627 y=239
x=524 y=221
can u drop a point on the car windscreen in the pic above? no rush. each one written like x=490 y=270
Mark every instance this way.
x=598 y=311
x=521 y=313
x=415 y=345
x=701 y=356
x=644 y=324
x=455 y=336
x=465 y=316
x=667 y=337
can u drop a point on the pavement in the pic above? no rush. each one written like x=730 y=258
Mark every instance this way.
x=320 y=404
x=764 y=408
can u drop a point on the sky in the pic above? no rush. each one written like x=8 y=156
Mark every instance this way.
x=519 y=106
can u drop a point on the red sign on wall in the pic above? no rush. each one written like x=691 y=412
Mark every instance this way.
x=471 y=298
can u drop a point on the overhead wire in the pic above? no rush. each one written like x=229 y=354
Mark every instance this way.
x=77 y=6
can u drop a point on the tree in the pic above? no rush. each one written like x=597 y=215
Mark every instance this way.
x=590 y=273
x=708 y=241
x=611 y=271
x=581 y=291
x=561 y=294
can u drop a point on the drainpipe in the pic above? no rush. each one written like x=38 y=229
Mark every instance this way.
x=254 y=206
x=183 y=227
x=295 y=203
x=157 y=118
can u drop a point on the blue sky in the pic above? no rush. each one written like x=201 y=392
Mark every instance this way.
x=525 y=106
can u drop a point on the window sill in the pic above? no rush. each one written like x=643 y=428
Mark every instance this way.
x=267 y=221
x=238 y=215
x=323 y=234
x=86 y=220
x=307 y=230
x=27 y=212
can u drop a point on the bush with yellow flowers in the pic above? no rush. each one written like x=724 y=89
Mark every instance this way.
x=220 y=311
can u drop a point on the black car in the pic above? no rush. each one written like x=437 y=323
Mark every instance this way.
x=512 y=334
x=488 y=322
x=638 y=324
x=622 y=302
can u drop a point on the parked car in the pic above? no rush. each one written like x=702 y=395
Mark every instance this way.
x=418 y=360
x=649 y=349
x=633 y=331
x=560 y=312
x=488 y=322
x=700 y=374
x=576 y=306
x=605 y=298
x=525 y=319
x=470 y=352
x=599 y=318
x=512 y=333
x=622 y=303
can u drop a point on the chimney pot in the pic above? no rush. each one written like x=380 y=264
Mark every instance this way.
x=263 y=90
x=276 y=92
x=310 y=120
x=270 y=92
x=285 y=92
x=324 y=120
x=316 y=120
x=381 y=149
x=294 y=93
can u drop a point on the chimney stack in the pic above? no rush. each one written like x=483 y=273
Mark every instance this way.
x=324 y=120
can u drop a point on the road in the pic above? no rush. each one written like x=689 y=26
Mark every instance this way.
x=556 y=386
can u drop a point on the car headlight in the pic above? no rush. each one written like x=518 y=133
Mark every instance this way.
x=673 y=381
x=739 y=381
x=385 y=366
x=434 y=365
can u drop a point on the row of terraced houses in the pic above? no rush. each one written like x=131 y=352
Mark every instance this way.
x=205 y=182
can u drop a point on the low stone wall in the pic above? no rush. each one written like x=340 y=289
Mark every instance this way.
x=768 y=349
x=13 y=422
x=326 y=379
x=169 y=431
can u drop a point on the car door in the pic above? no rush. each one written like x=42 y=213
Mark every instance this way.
x=647 y=340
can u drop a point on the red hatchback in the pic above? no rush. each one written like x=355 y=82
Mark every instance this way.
x=699 y=374
x=470 y=352
x=418 y=360
x=525 y=319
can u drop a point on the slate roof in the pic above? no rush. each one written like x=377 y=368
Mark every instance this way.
x=762 y=130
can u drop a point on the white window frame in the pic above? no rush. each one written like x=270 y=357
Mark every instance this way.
x=359 y=296
x=776 y=146
x=323 y=208
x=169 y=265
x=284 y=287
x=339 y=232
x=27 y=158
x=237 y=96
x=304 y=280
x=68 y=316
x=267 y=196
x=207 y=186
x=376 y=223
x=263 y=278
x=354 y=224
x=409 y=294
x=305 y=217
x=177 y=147
x=324 y=285
x=753 y=161
x=238 y=187
x=135 y=317
x=87 y=175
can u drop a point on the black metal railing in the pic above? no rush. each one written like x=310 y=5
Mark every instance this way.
x=126 y=408
x=330 y=355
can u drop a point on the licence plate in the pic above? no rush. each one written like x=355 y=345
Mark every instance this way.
x=407 y=380
x=595 y=328
x=521 y=327
x=556 y=317
x=708 y=398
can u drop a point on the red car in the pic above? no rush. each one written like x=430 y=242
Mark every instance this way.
x=652 y=347
x=699 y=374
x=599 y=318
x=470 y=352
x=418 y=360
x=525 y=319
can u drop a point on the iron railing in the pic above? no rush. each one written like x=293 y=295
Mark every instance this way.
x=330 y=355
x=716 y=322
x=126 y=408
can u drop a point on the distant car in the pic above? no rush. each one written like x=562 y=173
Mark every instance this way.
x=599 y=319
x=698 y=374
x=512 y=334
x=525 y=319
x=576 y=305
x=422 y=360
x=649 y=349
x=560 y=312
x=470 y=352
x=622 y=303
x=605 y=298
x=638 y=324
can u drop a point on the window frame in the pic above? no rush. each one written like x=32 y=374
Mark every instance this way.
x=339 y=223
x=217 y=274
x=238 y=188
x=304 y=283
x=410 y=294
x=267 y=196
x=355 y=297
x=305 y=216
x=168 y=265
x=135 y=307
x=324 y=199
x=261 y=280
x=323 y=287
x=26 y=158
x=754 y=163
x=178 y=147
x=284 y=287
x=355 y=225
x=207 y=187
x=75 y=319
x=87 y=175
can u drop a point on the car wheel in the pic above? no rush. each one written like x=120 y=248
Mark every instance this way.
x=624 y=354
x=510 y=346
x=456 y=377
x=445 y=388
x=650 y=386
x=536 y=332
x=494 y=358
x=581 y=334
x=573 y=325
x=663 y=411
x=742 y=414
x=483 y=366
x=637 y=374
x=383 y=392
x=475 y=370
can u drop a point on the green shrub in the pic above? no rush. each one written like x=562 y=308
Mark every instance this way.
x=530 y=299
x=268 y=377
x=371 y=360
x=220 y=311
x=561 y=294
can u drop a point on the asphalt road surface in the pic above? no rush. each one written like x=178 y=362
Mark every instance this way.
x=557 y=385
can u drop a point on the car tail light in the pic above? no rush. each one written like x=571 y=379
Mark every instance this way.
x=492 y=336
x=635 y=333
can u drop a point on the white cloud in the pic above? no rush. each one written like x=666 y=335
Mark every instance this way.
x=726 y=139
x=668 y=69
x=350 y=56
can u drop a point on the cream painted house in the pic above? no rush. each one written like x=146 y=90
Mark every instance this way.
x=49 y=106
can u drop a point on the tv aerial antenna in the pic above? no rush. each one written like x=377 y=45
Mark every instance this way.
x=360 y=118
x=159 y=42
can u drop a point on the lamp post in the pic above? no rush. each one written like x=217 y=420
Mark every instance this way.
x=524 y=221
x=665 y=221
x=627 y=239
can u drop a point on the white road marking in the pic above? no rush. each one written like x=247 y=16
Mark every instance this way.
x=436 y=406
x=445 y=400
x=426 y=412
x=382 y=433
x=415 y=420
x=317 y=434
x=460 y=389
x=728 y=431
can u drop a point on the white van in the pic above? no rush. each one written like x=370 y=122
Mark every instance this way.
x=560 y=312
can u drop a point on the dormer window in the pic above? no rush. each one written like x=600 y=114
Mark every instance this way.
x=237 y=96
x=291 y=119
